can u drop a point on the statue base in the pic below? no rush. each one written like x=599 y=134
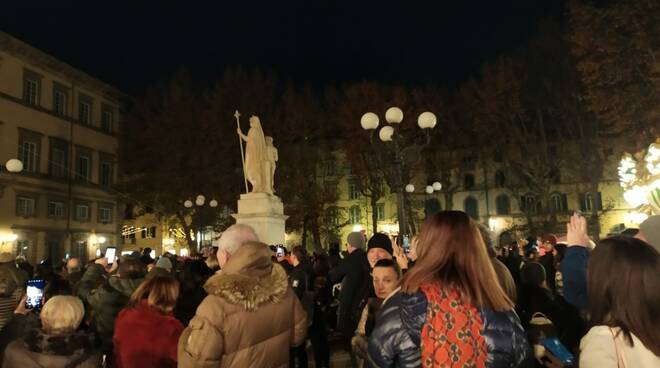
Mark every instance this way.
x=265 y=213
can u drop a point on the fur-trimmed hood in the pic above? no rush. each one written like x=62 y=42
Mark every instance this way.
x=249 y=279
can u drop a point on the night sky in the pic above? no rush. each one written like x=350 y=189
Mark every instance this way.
x=134 y=44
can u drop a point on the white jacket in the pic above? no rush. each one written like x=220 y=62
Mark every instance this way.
x=597 y=350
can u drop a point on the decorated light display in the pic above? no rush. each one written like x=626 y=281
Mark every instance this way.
x=639 y=176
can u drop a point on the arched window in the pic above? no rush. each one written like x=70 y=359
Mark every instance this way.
x=500 y=179
x=432 y=206
x=471 y=207
x=558 y=202
x=468 y=181
x=503 y=204
x=528 y=203
x=355 y=215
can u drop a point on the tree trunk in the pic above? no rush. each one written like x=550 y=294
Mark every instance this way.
x=449 y=200
x=595 y=216
x=374 y=213
x=187 y=229
x=316 y=234
x=304 y=234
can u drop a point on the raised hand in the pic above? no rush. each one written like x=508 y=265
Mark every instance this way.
x=576 y=231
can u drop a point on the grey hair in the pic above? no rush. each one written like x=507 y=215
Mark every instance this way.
x=235 y=236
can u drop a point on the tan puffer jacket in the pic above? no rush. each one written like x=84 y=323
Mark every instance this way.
x=250 y=318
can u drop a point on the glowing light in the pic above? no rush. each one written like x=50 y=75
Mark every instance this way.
x=627 y=170
x=636 y=196
x=358 y=228
x=8 y=237
x=653 y=159
x=635 y=218
x=168 y=241
x=101 y=239
x=386 y=133
x=437 y=186
x=153 y=254
x=429 y=189
x=184 y=252
x=410 y=188
x=14 y=166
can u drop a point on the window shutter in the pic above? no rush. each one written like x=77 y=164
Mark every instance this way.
x=522 y=204
x=599 y=202
x=582 y=199
x=564 y=202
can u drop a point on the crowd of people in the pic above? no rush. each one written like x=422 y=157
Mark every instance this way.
x=450 y=299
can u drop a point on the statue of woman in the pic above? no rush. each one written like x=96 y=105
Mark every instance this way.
x=255 y=155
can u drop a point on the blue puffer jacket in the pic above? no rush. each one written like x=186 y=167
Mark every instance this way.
x=396 y=339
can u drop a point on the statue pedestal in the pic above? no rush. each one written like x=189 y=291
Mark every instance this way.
x=265 y=213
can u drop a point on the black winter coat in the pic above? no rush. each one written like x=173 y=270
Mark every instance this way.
x=396 y=340
x=353 y=272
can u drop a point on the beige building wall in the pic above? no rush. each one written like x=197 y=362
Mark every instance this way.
x=65 y=125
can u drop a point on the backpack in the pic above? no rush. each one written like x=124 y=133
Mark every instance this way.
x=8 y=282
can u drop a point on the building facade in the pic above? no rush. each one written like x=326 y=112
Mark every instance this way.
x=63 y=125
x=480 y=190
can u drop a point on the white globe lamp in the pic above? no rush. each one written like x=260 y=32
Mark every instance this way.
x=426 y=120
x=386 y=133
x=369 y=121
x=213 y=203
x=394 y=115
x=200 y=200
x=187 y=204
x=410 y=188
x=437 y=186
x=14 y=166
x=429 y=189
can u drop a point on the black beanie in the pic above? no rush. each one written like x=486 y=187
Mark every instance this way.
x=533 y=273
x=379 y=240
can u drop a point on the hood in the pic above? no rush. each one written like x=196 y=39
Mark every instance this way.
x=249 y=279
x=76 y=343
x=124 y=286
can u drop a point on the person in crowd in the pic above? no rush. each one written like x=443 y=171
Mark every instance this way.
x=192 y=277
x=386 y=276
x=514 y=261
x=146 y=333
x=548 y=243
x=649 y=231
x=353 y=273
x=503 y=275
x=283 y=259
x=623 y=281
x=301 y=276
x=74 y=273
x=57 y=343
x=560 y=250
x=212 y=259
x=107 y=293
x=11 y=292
x=251 y=316
x=25 y=266
x=7 y=261
x=453 y=280
x=333 y=256
x=379 y=247
x=163 y=267
x=321 y=319
x=146 y=257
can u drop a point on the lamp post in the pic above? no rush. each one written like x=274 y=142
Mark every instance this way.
x=199 y=202
x=394 y=144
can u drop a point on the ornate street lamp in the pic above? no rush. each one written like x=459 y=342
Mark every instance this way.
x=388 y=134
x=200 y=201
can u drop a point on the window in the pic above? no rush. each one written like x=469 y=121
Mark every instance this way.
x=55 y=209
x=82 y=169
x=106 y=120
x=468 y=181
x=105 y=214
x=31 y=87
x=25 y=206
x=85 y=109
x=106 y=173
x=588 y=201
x=380 y=211
x=29 y=156
x=555 y=175
x=355 y=215
x=60 y=100
x=353 y=191
x=333 y=216
x=500 y=179
x=59 y=158
x=471 y=207
x=528 y=203
x=329 y=168
x=149 y=232
x=82 y=212
x=503 y=204
x=558 y=202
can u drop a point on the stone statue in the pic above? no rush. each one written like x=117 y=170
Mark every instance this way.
x=271 y=159
x=255 y=155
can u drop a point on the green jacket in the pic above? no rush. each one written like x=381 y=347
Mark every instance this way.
x=106 y=295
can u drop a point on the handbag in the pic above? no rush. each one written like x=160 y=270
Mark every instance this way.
x=618 y=347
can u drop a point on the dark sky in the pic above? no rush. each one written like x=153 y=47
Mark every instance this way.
x=132 y=44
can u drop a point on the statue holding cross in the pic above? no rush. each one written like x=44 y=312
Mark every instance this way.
x=260 y=157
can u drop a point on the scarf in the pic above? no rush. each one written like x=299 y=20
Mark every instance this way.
x=451 y=335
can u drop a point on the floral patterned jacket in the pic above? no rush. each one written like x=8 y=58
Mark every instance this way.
x=396 y=339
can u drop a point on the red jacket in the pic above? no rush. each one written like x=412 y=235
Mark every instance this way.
x=145 y=338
